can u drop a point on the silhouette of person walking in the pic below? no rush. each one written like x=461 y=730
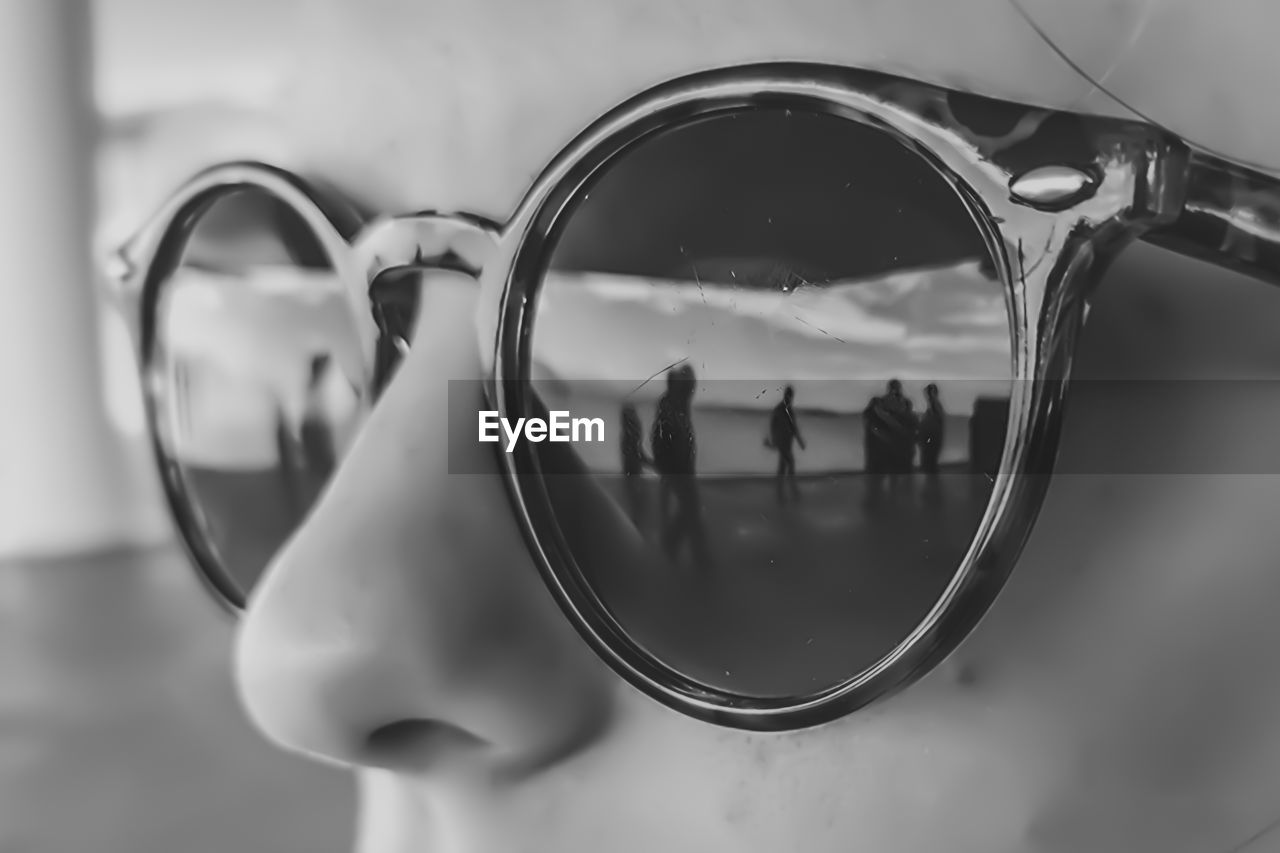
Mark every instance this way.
x=634 y=460
x=930 y=436
x=674 y=457
x=783 y=432
x=889 y=440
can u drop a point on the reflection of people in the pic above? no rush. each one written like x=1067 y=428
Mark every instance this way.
x=444 y=636
x=306 y=448
x=889 y=439
x=634 y=460
x=315 y=433
x=931 y=431
x=289 y=459
x=783 y=432
x=930 y=435
x=674 y=457
x=987 y=429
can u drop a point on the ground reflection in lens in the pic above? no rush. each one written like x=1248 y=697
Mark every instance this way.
x=796 y=340
x=257 y=376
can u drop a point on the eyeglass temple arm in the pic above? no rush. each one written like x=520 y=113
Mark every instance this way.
x=1230 y=217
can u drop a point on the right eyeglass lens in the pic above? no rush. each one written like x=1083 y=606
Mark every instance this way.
x=792 y=330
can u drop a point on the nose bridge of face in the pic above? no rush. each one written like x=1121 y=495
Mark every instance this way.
x=426 y=241
x=397 y=254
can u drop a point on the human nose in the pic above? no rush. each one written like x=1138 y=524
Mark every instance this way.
x=404 y=625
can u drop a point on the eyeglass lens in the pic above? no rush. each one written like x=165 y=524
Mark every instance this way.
x=257 y=367
x=792 y=330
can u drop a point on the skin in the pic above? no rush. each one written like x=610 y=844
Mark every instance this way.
x=1120 y=695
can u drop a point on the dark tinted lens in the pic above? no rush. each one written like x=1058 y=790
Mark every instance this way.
x=795 y=339
x=257 y=371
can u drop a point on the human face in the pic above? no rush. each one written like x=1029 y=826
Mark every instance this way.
x=1118 y=696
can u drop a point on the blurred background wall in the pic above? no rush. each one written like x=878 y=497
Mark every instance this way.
x=120 y=731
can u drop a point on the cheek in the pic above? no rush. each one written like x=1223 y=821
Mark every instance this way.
x=1133 y=644
x=1127 y=667
x=943 y=770
x=1125 y=671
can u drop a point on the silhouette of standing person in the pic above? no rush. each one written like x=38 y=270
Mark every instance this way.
x=307 y=452
x=290 y=459
x=783 y=432
x=634 y=460
x=675 y=456
x=889 y=435
x=930 y=437
x=315 y=433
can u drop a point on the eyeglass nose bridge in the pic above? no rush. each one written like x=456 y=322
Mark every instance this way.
x=421 y=242
x=426 y=240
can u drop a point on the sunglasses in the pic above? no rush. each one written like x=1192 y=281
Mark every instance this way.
x=816 y=323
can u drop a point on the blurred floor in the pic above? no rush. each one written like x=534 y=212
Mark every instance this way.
x=120 y=731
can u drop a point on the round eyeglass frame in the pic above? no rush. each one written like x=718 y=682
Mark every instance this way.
x=1047 y=252
x=1045 y=295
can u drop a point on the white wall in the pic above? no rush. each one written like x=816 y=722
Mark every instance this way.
x=66 y=483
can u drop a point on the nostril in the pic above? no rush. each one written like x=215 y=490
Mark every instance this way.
x=417 y=744
x=398 y=735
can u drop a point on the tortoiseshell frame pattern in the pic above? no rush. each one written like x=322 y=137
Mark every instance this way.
x=1143 y=183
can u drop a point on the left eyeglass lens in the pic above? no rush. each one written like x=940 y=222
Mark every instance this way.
x=257 y=380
